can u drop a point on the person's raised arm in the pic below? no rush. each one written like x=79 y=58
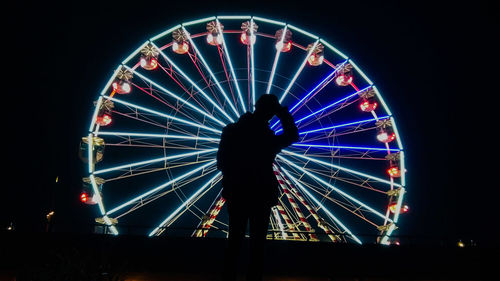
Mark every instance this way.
x=290 y=131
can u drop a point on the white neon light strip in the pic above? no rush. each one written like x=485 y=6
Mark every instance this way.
x=379 y=97
x=94 y=115
x=252 y=63
x=99 y=101
x=395 y=128
x=198 y=21
x=269 y=21
x=303 y=32
x=233 y=17
x=158 y=188
x=207 y=67
x=361 y=72
x=333 y=49
x=334 y=188
x=235 y=80
x=98 y=198
x=164 y=115
x=90 y=152
x=385 y=239
x=275 y=63
x=298 y=72
x=165 y=136
x=97 y=194
x=399 y=203
x=113 y=229
x=338 y=167
x=111 y=79
x=184 y=204
x=321 y=206
x=166 y=32
x=178 y=69
x=403 y=168
x=183 y=101
x=130 y=165
x=135 y=53
x=110 y=224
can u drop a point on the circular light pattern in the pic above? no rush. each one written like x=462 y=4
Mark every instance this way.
x=181 y=87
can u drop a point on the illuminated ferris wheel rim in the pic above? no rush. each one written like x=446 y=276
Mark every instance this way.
x=94 y=129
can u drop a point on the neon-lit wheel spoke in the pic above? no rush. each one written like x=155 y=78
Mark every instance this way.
x=155 y=130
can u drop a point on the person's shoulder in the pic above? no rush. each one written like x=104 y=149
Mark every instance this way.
x=228 y=129
x=243 y=121
x=236 y=127
x=247 y=116
x=229 y=126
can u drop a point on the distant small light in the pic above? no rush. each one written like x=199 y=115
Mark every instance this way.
x=460 y=244
x=50 y=214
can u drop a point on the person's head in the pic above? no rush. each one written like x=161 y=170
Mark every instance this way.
x=267 y=106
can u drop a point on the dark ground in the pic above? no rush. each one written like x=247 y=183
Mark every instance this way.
x=99 y=257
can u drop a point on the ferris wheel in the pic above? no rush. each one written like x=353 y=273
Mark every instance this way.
x=154 y=134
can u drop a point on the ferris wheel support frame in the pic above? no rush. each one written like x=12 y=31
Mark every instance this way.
x=94 y=130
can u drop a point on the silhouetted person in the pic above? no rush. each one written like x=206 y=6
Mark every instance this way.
x=246 y=154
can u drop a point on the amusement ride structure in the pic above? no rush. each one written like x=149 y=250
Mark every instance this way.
x=153 y=136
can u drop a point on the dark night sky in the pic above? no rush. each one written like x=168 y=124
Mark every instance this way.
x=432 y=62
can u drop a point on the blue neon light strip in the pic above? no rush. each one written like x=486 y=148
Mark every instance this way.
x=327 y=80
x=326 y=107
x=313 y=90
x=344 y=125
x=384 y=149
x=331 y=105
